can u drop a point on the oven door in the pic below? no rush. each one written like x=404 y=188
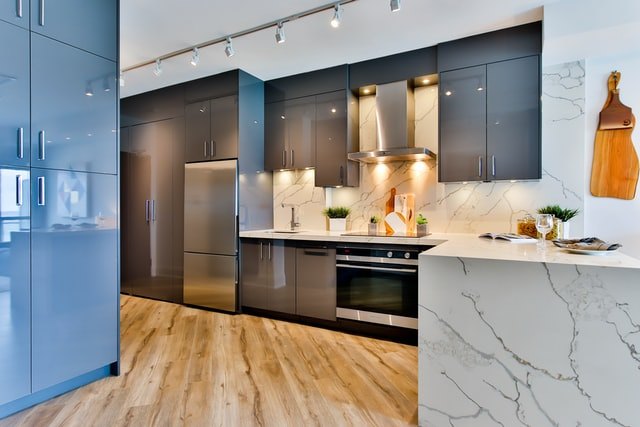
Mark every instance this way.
x=378 y=293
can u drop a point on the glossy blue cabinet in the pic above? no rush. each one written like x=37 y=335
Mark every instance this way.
x=15 y=285
x=88 y=25
x=73 y=108
x=74 y=250
x=15 y=12
x=14 y=95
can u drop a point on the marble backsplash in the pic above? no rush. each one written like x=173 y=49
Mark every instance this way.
x=472 y=207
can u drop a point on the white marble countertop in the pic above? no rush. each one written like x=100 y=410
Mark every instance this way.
x=463 y=246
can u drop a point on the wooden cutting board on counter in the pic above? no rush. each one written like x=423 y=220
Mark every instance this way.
x=614 y=172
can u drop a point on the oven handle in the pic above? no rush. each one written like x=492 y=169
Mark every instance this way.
x=362 y=267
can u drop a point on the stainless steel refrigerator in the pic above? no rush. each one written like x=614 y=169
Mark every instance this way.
x=211 y=234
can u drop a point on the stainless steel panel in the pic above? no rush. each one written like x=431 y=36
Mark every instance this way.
x=395 y=115
x=210 y=207
x=210 y=281
x=380 y=318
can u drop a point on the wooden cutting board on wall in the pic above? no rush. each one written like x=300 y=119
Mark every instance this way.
x=614 y=172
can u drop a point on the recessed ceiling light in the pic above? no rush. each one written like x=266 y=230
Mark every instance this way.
x=333 y=110
x=195 y=57
x=337 y=16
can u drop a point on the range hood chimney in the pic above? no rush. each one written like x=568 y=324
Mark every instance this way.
x=395 y=127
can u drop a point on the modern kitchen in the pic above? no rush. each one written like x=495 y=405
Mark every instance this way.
x=357 y=212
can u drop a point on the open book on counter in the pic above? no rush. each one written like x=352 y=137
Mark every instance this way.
x=510 y=237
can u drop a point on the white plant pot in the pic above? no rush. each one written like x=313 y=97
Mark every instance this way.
x=337 y=224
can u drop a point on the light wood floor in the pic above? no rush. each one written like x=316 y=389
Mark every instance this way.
x=183 y=366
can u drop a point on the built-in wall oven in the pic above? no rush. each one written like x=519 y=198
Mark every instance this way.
x=378 y=284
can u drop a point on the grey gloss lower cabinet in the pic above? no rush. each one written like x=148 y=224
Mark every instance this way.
x=316 y=282
x=268 y=275
x=15 y=286
x=74 y=275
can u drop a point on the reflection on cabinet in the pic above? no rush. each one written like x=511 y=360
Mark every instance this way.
x=15 y=285
x=490 y=122
x=316 y=282
x=290 y=133
x=268 y=275
x=88 y=25
x=336 y=135
x=15 y=12
x=152 y=191
x=73 y=121
x=14 y=95
x=73 y=279
x=212 y=129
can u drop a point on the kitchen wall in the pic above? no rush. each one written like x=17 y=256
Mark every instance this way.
x=472 y=207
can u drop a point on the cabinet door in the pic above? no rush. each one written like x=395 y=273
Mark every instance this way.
x=15 y=12
x=74 y=280
x=462 y=148
x=224 y=128
x=281 y=283
x=148 y=199
x=300 y=122
x=275 y=155
x=316 y=283
x=253 y=274
x=15 y=285
x=513 y=119
x=14 y=95
x=73 y=118
x=198 y=131
x=88 y=25
x=331 y=139
x=127 y=225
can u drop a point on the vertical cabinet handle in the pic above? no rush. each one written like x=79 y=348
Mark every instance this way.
x=292 y=157
x=284 y=158
x=41 y=193
x=20 y=143
x=41 y=21
x=341 y=174
x=493 y=165
x=19 y=8
x=269 y=258
x=18 y=190
x=153 y=210
x=146 y=210
x=205 y=148
x=41 y=142
x=261 y=253
x=213 y=148
x=480 y=166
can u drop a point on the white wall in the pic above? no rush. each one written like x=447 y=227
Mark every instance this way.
x=612 y=219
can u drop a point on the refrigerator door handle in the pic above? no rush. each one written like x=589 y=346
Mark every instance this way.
x=146 y=210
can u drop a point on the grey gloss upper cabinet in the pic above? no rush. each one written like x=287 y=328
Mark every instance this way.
x=14 y=95
x=74 y=276
x=290 y=134
x=336 y=135
x=15 y=290
x=15 y=12
x=490 y=122
x=88 y=25
x=212 y=129
x=73 y=120
x=268 y=275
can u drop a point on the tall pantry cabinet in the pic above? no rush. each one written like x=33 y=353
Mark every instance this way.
x=59 y=208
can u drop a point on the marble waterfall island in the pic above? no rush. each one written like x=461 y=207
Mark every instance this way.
x=512 y=337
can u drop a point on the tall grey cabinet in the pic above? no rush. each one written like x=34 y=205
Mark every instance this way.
x=59 y=208
x=212 y=129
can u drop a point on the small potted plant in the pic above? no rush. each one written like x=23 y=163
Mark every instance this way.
x=337 y=217
x=373 y=225
x=561 y=222
x=422 y=225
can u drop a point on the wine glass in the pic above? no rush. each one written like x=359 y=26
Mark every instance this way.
x=544 y=224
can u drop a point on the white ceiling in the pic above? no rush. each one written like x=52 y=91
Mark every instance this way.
x=150 y=28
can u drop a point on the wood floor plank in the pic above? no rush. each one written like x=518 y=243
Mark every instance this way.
x=188 y=367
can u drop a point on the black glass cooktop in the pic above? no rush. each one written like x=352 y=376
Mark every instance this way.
x=364 y=233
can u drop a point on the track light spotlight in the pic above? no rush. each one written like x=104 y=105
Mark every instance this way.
x=395 y=5
x=195 y=57
x=88 y=90
x=280 y=37
x=228 y=49
x=157 y=70
x=337 y=16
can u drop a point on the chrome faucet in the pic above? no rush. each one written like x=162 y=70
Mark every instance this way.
x=293 y=223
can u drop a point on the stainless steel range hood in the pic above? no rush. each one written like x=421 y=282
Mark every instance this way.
x=395 y=127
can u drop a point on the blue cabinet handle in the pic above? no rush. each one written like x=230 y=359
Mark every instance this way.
x=41 y=141
x=41 y=22
x=41 y=194
x=19 y=8
x=20 y=143
x=18 y=190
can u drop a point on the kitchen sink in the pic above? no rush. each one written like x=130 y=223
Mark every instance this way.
x=284 y=231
